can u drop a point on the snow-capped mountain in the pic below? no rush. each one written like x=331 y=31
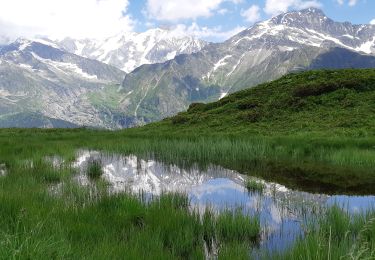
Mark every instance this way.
x=42 y=86
x=68 y=83
x=47 y=84
x=292 y=41
x=128 y=51
x=309 y=27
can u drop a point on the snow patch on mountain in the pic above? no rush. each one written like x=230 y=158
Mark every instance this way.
x=223 y=95
x=221 y=62
x=310 y=27
x=66 y=67
x=26 y=66
x=367 y=47
x=128 y=51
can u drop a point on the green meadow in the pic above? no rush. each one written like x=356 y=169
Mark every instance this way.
x=313 y=131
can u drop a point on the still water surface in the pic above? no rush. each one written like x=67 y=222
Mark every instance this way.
x=283 y=212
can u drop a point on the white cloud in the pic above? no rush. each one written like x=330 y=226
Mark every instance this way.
x=252 y=14
x=174 y=10
x=372 y=21
x=274 y=7
x=60 y=18
x=211 y=34
x=223 y=11
x=352 y=2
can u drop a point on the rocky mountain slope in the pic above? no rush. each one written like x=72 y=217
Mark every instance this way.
x=128 y=51
x=65 y=84
x=42 y=86
x=293 y=41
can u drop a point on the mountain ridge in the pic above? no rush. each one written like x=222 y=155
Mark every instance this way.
x=263 y=52
x=60 y=84
x=128 y=51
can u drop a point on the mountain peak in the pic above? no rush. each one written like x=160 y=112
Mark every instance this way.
x=301 y=18
x=19 y=44
x=313 y=10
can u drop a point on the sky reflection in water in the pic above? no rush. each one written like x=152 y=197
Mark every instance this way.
x=280 y=209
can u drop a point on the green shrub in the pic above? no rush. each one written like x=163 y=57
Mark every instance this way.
x=195 y=107
x=180 y=119
x=314 y=89
x=247 y=104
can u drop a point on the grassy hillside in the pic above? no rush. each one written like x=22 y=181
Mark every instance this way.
x=312 y=131
x=327 y=102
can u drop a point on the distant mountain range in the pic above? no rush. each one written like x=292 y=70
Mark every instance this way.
x=289 y=42
x=44 y=83
x=132 y=79
x=39 y=83
x=128 y=51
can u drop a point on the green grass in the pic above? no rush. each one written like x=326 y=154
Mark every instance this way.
x=332 y=165
x=36 y=224
x=234 y=251
x=254 y=186
x=77 y=222
x=337 y=235
x=94 y=169
x=235 y=227
x=313 y=130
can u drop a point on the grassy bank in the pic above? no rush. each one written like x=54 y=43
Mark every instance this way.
x=336 y=235
x=331 y=165
x=39 y=220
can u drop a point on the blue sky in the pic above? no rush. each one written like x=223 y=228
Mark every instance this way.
x=213 y=20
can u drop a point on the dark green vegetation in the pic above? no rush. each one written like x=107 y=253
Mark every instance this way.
x=312 y=131
x=325 y=103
